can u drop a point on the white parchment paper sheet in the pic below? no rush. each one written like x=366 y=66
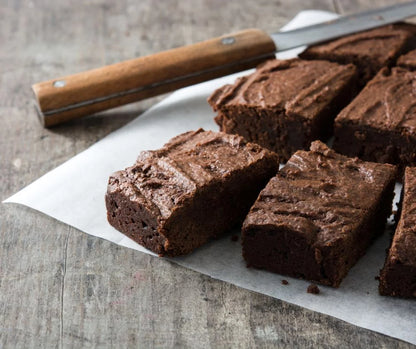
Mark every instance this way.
x=74 y=193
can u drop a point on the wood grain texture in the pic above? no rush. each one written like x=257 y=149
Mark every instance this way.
x=125 y=82
x=60 y=288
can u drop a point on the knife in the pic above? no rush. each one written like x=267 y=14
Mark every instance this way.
x=85 y=93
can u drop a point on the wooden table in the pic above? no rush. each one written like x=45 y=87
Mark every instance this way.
x=62 y=288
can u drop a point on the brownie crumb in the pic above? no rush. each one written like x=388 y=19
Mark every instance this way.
x=234 y=238
x=285 y=282
x=377 y=277
x=312 y=288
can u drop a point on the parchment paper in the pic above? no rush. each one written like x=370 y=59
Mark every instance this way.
x=74 y=193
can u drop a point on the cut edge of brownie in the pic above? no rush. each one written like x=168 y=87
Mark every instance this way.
x=398 y=276
x=375 y=145
x=288 y=249
x=127 y=215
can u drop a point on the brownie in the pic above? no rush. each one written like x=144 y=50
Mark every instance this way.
x=408 y=60
x=398 y=277
x=380 y=123
x=285 y=105
x=198 y=186
x=369 y=51
x=318 y=215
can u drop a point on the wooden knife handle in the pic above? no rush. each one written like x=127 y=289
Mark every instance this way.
x=73 y=96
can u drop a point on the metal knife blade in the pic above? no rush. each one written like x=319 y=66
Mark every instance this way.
x=342 y=26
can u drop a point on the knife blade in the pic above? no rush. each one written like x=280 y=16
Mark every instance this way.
x=66 y=98
x=344 y=25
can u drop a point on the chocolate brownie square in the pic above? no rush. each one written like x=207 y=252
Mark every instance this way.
x=380 y=123
x=285 y=105
x=198 y=186
x=369 y=51
x=408 y=60
x=318 y=215
x=398 y=277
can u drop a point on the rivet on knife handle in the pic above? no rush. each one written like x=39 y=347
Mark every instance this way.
x=74 y=96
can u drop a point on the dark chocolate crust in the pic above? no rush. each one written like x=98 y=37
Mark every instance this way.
x=408 y=60
x=285 y=105
x=380 y=123
x=369 y=51
x=318 y=215
x=198 y=186
x=398 y=277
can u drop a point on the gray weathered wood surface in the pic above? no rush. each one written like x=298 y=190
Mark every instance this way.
x=62 y=288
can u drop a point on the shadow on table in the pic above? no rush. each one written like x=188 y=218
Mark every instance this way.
x=99 y=125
